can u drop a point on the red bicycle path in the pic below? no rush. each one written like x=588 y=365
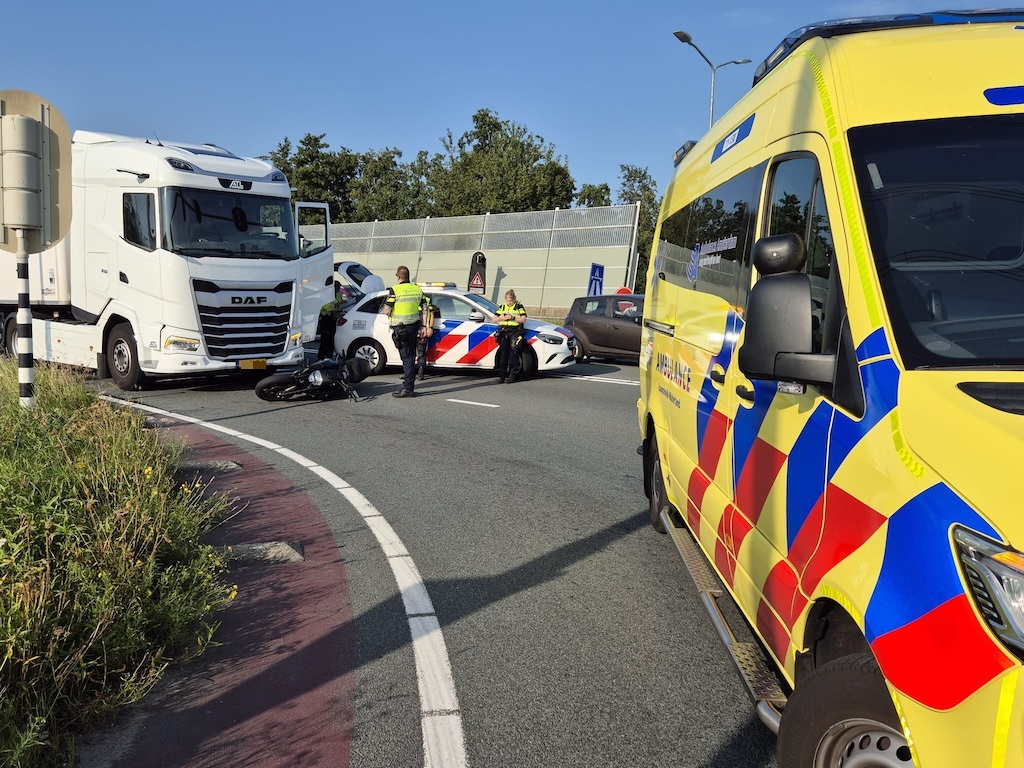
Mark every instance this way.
x=276 y=687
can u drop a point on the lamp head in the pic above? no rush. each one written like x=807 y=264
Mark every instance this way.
x=682 y=37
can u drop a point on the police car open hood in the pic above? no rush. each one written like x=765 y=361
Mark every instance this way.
x=969 y=428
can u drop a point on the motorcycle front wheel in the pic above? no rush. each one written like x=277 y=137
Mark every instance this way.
x=280 y=386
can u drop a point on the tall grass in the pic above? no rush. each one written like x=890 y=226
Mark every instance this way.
x=103 y=575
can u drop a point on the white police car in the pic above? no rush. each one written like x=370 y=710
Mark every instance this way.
x=464 y=334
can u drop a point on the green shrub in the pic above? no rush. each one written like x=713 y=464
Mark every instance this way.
x=103 y=574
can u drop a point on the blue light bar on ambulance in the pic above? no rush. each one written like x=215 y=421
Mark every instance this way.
x=871 y=23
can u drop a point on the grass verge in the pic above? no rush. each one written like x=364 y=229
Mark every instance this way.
x=104 y=578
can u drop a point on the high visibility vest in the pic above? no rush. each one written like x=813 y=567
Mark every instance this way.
x=405 y=309
x=517 y=309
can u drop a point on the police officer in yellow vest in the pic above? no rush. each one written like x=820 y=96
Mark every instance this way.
x=511 y=319
x=407 y=308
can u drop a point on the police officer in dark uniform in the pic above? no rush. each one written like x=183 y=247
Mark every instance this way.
x=406 y=306
x=511 y=319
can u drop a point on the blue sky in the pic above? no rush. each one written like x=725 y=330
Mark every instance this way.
x=605 y=83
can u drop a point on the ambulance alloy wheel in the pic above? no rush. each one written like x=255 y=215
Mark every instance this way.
x=371 y=351
x=842 y=715
x=658 y=499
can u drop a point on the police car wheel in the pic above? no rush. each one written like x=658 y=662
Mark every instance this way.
x=371 y=351
x=842 y=715
x=528 y=364
x=657 y=499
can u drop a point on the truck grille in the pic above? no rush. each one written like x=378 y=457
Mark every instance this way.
x=243 y=320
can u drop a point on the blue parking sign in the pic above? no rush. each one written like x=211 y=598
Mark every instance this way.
x=596 y=286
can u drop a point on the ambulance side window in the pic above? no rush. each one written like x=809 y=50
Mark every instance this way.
x=797 y=206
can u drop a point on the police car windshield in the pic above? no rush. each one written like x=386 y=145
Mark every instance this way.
x=206 y=222
x=944 y=206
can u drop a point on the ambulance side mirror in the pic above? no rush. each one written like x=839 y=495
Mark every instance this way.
x=778 y=339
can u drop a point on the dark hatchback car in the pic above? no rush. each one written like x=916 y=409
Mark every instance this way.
x=607 y=326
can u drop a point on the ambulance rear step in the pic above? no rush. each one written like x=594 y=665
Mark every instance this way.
x=749 y=658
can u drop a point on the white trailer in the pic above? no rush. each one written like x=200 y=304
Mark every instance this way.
x=181 y=259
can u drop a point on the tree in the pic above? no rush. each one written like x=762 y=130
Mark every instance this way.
x=497 y=167
x=382 y=188
x=638 y=185
x=318 y=174
x=594 y=196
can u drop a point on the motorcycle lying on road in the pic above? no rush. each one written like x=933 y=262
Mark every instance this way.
x=320 y=380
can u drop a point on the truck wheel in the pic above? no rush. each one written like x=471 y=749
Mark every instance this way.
x=11 y=337
x=842 y=715
x=123 y=357
x=371 y=351
x=658 y=499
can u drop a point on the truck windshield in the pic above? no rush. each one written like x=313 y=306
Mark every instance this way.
x=206 y=222
x=944 y=205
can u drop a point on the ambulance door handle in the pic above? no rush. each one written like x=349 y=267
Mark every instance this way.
x=717 y=376
x=744 y=393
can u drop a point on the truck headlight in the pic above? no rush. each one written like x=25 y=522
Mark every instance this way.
x=181 y=344
x=297 y=339
x=995 y=575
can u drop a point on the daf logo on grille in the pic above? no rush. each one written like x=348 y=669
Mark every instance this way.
x=248 y=299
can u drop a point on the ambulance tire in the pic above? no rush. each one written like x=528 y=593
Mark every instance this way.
x=842 y=714
x=123 y=358
x=371 y=351
x=657 y=501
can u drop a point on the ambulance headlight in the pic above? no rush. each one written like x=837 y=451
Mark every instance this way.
x=995 y=576
x=181 y=344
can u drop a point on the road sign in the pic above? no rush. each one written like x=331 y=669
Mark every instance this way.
x=596 y=286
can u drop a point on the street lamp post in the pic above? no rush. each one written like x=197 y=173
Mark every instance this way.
x=684 y=37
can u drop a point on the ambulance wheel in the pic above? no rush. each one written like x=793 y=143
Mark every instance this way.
x=842 y=715
x=123 y=358
x=371 y=351
x=657 y=500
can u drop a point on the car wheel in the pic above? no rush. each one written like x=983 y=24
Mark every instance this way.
x=657 y=498
x=371 y=351
x=842 y=714
x=123 y=358
x=527 y=363
x=579 y=353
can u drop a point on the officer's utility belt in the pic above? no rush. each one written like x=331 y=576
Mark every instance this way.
x=398 y=331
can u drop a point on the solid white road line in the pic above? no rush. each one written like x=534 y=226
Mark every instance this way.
x=444 y=742
x=473 y=402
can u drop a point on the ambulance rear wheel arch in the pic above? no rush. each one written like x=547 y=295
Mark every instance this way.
x=842 y=714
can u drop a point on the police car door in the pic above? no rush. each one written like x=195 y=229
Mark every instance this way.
x=781 y=432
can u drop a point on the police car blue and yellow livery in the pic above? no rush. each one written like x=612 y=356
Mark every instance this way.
x=832 y=383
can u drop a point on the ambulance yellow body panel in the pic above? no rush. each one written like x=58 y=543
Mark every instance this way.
x=832 y=383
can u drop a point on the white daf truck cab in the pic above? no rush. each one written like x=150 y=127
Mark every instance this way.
x=181 y=259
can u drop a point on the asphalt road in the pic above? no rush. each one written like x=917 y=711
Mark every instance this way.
x=575 y=636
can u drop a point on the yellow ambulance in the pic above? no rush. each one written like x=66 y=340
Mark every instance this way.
x=832 y=388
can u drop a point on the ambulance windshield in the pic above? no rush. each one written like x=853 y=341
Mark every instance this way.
x=944 y=206
x=211 y=223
